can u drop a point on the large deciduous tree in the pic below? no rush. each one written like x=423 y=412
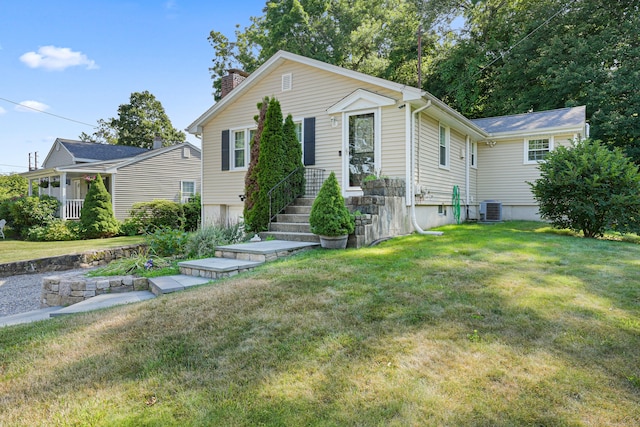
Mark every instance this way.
x=137 y=124
x=377 y=38
x=514 y=56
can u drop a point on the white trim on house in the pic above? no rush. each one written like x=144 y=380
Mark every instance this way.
x=527 y=148
x=360 y=99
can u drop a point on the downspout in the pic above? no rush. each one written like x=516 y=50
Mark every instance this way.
x=466 y=178
x=411 y=178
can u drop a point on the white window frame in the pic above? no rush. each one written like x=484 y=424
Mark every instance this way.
x=446 y=146
x=527 y=148
x=473 y=158
x=186 y=195
x=247 y=147
x=300 y=121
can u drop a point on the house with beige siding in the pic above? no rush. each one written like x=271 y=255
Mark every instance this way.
x=357 y=125
x=130 y=174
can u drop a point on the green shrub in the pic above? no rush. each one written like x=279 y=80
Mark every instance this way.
x=55 y=231
x=26 y=212
x=202 y=243
x=96 y=217
x=131 y=227
x=329 y=215
x=167 y=242
x=192 y=213
x=589 y=188
x=157 y=214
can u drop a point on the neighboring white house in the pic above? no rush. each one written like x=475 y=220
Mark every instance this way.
x=355 y=125
x=131 y=174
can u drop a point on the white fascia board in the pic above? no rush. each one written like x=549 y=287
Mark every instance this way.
x=360 y=99
x=536 y=132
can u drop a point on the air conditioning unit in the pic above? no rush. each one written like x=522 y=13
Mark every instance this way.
x=490 y=211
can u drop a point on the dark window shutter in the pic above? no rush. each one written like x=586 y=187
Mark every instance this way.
x=309 y=141
x=225 y=150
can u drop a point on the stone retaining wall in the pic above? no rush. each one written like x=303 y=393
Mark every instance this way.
x=383 y=212
x=69 y=262
x=63 y=290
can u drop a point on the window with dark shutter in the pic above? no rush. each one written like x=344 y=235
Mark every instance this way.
x=225 y=150
x=309 y=141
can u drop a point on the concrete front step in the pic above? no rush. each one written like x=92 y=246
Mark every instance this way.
x=218 y=267
x=298 y=210
x=303 y=201
x=290 y=227
x=104 y=301
x=299 y=218
x=167 y=284
x=264 y=251
x=291 y=237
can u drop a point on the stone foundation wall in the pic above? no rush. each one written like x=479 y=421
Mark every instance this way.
x=69 y=262
x=63 y=290
x=383 y=212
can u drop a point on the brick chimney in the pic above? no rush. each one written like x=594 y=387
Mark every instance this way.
x=231 y=81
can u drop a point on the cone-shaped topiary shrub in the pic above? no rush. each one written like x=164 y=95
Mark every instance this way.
x=96 y=217
x=329 y=215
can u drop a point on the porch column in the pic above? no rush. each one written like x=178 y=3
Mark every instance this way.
x=63 y=195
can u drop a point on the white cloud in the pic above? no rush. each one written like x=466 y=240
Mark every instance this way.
x=31 y=107
x=57 y=58
x=2 y=111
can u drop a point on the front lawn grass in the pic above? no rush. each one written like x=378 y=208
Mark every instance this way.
x=501 y=325
x=20 y=250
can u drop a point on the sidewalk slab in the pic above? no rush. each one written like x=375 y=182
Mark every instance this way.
x=104 y=301
x=219 y=265
x=28 y=317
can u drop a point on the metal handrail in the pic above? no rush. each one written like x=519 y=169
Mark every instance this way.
x=283 y=193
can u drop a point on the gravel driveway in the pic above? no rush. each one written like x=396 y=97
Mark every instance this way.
x=19 y=294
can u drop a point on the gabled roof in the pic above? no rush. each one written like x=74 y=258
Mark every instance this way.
x=564 y=118
x=93 y=152
x=112 y=165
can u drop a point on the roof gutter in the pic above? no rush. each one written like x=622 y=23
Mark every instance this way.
x=414 y=141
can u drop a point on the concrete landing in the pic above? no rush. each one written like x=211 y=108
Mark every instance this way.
x=264 y=251
x=167 y=284
x=28 y=317
x=104 y=301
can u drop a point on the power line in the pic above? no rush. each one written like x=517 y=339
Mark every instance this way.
x=46 y=112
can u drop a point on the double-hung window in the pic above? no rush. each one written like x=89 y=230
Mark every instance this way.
x=240 y=153
x=444 y=146
x=537 y=149
x=187 y=190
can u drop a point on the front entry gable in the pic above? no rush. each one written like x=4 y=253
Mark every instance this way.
x=360 y=99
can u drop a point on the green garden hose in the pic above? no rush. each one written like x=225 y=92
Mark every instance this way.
x=455 y=202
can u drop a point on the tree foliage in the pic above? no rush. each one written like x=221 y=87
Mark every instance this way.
x=13 y=185
x=96 y=217
x=514 y=56
x=590 y=189
x=138 y=123
x=377 y=38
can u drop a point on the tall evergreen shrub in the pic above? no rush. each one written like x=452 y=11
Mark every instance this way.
x=96 y=217
x=270 y=164
x=251 y=187
x=293 y=156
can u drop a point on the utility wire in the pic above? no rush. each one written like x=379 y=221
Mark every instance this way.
x=45 y=112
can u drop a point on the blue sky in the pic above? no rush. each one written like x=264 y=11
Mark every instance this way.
x=82 y=59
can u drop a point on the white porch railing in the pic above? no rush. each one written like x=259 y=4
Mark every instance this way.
x=72 y=208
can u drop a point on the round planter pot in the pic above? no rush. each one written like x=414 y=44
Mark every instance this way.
x=334 y=242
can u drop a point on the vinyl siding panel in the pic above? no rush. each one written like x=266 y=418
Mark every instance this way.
x=313 y=92
x=153 y=178
x=59 y=156
x=503 y=174
x=437 y=182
